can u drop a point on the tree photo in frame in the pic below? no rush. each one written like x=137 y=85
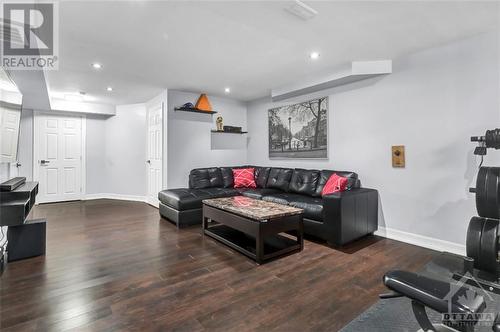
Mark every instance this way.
x=299 y=130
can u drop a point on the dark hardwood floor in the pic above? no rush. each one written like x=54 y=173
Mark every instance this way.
x=115 y=265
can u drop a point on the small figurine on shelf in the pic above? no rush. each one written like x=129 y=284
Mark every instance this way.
x=220 y=125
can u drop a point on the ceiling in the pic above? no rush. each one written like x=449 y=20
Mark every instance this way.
x=249 y=46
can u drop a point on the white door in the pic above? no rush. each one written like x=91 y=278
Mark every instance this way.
x=9 y=133
x=58 y=157
x=155 y=153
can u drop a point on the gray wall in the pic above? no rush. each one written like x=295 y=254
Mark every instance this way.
x=432 y=103
x=189 y=136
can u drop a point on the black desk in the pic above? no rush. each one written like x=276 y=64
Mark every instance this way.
x=26 y=238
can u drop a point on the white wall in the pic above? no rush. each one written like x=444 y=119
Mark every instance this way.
x=432 y=103
x=25 y=152
x=82 y=107
x=4 y=172
x=125 y=137
x=189 y=136
x=96 y=174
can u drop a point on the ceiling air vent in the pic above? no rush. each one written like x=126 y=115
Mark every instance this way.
x=301 y=10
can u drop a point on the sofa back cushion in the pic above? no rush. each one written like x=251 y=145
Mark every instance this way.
x=279 y=178
x=227 y=177
x=210 y=177
x=325 y=174
x=335 y=183
x=304 y=181
x=261 y=176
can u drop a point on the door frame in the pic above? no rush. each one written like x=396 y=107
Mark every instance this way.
x=83 y=173
x=155 y=202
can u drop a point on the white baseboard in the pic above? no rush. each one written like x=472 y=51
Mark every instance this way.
x=116 y=196
x=153 y=202
x=421 y=240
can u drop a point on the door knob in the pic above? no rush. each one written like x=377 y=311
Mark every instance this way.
x=18 y=165
x=148 y=161
x=44 y=162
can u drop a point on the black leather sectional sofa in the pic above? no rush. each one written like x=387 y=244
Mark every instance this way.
x=337 y=218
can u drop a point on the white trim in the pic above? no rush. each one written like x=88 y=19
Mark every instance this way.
x=83 y=165
x=421 y=240
x=153 y=105
x=35 y=170
x=153 y=202
x=120 y=197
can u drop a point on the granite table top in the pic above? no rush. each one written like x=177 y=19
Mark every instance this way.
x=252 y=208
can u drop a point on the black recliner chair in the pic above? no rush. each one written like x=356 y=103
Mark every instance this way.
x=336 y=218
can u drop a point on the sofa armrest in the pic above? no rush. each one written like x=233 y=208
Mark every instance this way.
x=350 y=214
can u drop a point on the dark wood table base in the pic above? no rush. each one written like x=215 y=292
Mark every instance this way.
x=259 y=240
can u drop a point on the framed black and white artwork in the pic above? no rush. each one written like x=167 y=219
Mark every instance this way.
x=299 y=130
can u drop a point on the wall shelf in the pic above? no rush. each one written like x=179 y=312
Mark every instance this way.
x=229 y=132
x=193 y=110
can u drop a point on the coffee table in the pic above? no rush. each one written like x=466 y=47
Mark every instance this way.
x=253 y=227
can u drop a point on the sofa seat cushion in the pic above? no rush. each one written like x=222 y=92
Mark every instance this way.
x=258 y=192
x=186 y=199
x=312 y=206
x=280 y=198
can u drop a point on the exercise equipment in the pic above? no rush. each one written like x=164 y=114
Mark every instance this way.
x=488 y=192
x=460 y=304
x=491 y=139
x=482 y=242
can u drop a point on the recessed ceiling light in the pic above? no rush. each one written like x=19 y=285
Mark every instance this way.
x=109 y=89
x=314 y=55
x=96 y=65
x=227 y=90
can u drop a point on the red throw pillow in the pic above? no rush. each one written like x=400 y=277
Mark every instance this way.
x=244 y=178
x=334 y=184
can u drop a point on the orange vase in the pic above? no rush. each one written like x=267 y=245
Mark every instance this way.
x=203 y=104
